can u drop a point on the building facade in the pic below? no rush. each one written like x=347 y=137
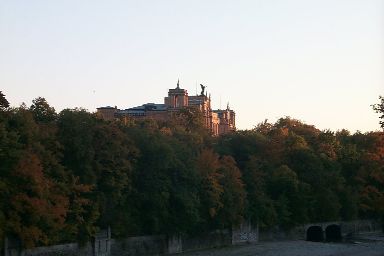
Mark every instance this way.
x=217 y=121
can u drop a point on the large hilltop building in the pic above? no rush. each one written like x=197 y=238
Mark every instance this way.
x=217 y=121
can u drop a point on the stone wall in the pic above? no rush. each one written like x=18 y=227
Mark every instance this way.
x=245 y=233
x=155 y=245
x=360 y=226
x=279 y=234
x=72 y=249
x=218 y=238
x=98 y=247
x=142 y=245
x=175 y=244
x=103 y=245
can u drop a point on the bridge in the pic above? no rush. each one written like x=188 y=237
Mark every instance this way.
x=337 y=230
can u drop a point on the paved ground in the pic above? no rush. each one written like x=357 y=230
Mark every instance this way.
x=363 y=246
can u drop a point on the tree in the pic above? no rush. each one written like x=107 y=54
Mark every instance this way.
x=191 y=119
x=113 y=162
x=82 y=212
x=283 y=187
x=37 y=207
x=208 y=165
x=233 y=197
x=3 y=101
x=63 y=177
x=152 y=181
x=283 y=181
x=10 y=152
x=259 y=206
x=371 y=175
x=76 y=131
x=42 y=111
x=379 y=108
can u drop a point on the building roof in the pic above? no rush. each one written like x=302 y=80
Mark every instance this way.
x=107 y=107
x=143 y=108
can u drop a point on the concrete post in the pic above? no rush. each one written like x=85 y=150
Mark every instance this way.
x=109 y=241
x=6 y=246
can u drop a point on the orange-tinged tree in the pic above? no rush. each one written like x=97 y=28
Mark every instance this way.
x=38 y=208
x=371 y=174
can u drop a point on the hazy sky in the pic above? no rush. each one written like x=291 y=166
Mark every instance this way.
x=319 y=61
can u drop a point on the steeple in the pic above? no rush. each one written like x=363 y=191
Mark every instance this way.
x=178 y=84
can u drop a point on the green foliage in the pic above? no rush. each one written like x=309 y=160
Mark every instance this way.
x=3 y=101
x=64 y=176
x=379 y=108
x=190 y=118
x=233 y=197
x=41 y=110
x=208 y=165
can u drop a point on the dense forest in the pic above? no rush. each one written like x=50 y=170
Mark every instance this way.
x=65 y=175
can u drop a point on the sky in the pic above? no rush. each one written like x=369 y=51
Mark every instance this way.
x=319 y=61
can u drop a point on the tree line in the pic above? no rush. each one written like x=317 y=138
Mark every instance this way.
x=65 y=175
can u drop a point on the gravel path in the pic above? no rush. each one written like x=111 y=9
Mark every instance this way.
x=299 y=248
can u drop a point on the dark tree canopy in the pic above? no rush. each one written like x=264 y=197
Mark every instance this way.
x=3 y=101
x=64 y=176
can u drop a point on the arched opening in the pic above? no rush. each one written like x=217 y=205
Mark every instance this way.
x=333 y=233
x=315 y=234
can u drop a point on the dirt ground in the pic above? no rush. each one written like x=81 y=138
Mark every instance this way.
x=368 y=245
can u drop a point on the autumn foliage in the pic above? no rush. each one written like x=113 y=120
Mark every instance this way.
x=63 y=176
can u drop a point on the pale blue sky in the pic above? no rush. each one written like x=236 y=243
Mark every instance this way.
x=318 y=61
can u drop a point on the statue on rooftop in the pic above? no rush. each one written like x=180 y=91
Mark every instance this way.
x=202 y=89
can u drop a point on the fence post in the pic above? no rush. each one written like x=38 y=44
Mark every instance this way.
x=109 y=241
x=6 y=246
x=93 y=244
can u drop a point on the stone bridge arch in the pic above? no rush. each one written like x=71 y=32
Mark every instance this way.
x=326 y=231
x=333 y=233
x=314 y=233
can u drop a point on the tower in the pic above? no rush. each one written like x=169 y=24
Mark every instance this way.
x=177 y=98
